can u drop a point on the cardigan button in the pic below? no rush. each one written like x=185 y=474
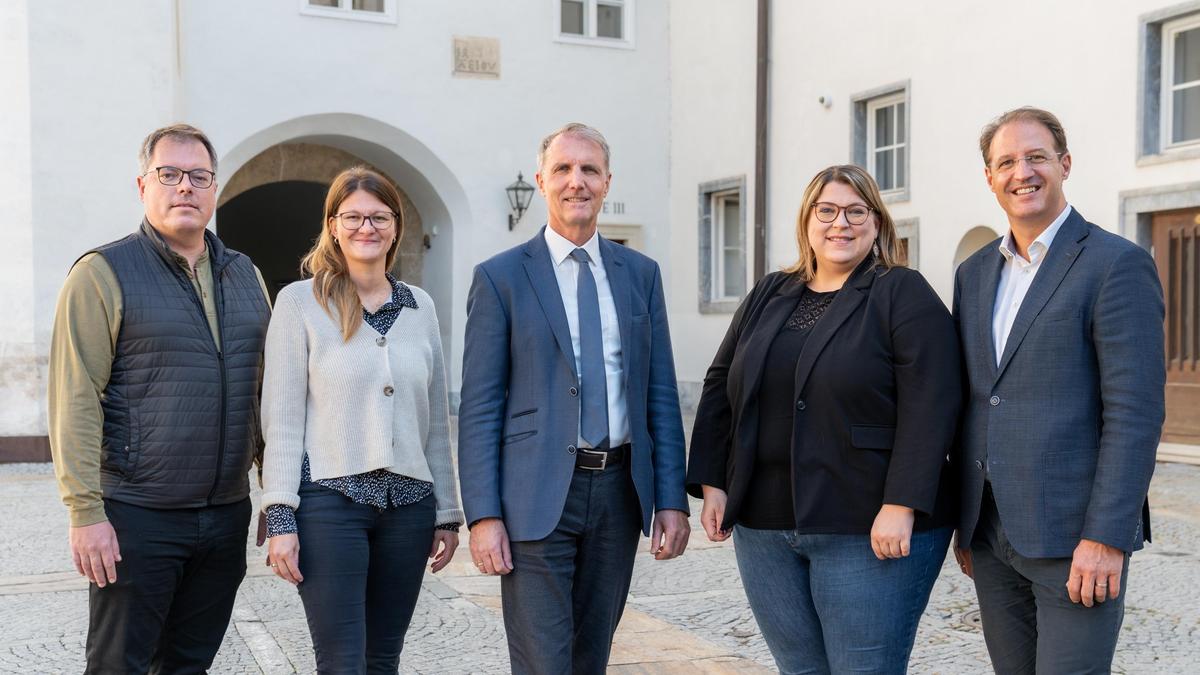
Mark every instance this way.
x=995 y=400
x=800 y=405
x=381 y=341
x=573 y=391
x=570 y=449
x=388 y=390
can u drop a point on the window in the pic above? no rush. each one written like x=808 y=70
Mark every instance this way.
x=1169 y=84
x=885 y=136
x=881 y=138
x=596 y=22
x=383 y=11
x=1181 y=82
x=722 y=244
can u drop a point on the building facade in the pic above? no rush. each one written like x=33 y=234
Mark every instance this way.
x=450 y=99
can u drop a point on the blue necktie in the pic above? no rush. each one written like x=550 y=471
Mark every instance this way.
x=593 y=411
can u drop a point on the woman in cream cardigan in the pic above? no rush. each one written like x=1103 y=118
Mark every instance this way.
x=358 y=482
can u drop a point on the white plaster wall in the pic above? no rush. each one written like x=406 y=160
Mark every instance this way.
x=252 y=66
x=19 y=363
x=712 y=137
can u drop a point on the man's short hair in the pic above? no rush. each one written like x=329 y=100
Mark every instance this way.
x=1024 y=113
x=574 y=129
x=176 y=132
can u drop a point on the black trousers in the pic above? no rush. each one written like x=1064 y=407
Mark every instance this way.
x=362 y=570
x=176 y=582
x=1030 y=624
x=566 y=593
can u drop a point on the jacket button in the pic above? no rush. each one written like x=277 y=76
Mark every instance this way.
x=995 y=400
x=573 y=391
x=800 y=405
x=381 y=341
x=570 y=449
x=388 y=390
x=979 y=464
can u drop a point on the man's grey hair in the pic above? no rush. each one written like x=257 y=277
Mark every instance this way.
x=574 y=129
x=176 y=132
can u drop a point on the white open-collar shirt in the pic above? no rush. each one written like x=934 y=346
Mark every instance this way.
x=1016 y=277
x=566 y=271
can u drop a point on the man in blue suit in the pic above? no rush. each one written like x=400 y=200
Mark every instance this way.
x=1062 y=332
x=570 y=437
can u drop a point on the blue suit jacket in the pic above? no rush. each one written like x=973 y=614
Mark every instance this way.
x=1068 y=424
x=519 y=421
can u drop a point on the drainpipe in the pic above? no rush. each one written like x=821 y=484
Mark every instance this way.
x=762 y=83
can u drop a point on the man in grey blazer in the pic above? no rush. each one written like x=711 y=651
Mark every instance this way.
x=570 y=436
x=1061 y=325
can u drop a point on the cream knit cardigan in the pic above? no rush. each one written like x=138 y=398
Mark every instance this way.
x=370 y=403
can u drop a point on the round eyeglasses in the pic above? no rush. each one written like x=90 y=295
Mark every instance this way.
x=201 y=179
x=380 y=220
x=856 y=214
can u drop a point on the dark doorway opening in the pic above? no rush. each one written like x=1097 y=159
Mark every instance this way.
x=275 y=224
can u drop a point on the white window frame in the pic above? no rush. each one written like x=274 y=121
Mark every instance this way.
x=1169 y=31
x=344 y=11
x=589 y=36
x=873 y=150
x=720 y=246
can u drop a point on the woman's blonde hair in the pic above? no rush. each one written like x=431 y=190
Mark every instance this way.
x=326 y=263
x=862 y=183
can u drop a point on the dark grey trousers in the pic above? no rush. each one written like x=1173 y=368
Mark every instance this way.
x=566 y=593
x=1030 y=624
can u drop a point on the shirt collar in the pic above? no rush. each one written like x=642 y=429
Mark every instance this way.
x=402 y=296
x=561 y=247
x=1040 y=245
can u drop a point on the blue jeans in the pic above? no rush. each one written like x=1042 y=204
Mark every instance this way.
x=826 y=604
x=362 y=572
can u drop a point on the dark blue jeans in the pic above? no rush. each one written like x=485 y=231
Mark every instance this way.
x=826 y=604
x=566 y=593
x=362 y=572
x=176 y=583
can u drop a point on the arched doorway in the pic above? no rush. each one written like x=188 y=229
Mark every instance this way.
x=975 y=239
x=271 y=209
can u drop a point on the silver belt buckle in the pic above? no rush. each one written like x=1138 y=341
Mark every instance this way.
x=603 y=459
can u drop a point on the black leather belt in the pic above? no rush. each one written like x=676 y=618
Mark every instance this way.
x=597 y=460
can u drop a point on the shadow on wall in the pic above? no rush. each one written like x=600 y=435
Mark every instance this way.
x=975 y=239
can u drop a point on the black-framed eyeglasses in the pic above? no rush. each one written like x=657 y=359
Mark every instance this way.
x=201 y=179
x=856 y=214
x=380 y=220
x=1033 y=159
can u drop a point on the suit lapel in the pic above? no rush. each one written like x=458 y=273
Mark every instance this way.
x=540 y=270
x=621 y=287
x=774 y=313
x=1063 y=253
x=985 y=306
x=852 y=294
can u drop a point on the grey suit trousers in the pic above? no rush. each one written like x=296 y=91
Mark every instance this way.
x=1030 y=624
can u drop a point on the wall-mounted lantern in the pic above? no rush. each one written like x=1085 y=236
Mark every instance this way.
x=519 y=195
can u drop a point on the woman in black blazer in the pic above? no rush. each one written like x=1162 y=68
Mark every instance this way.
x=823 y=438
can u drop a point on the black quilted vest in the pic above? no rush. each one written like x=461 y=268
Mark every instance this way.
x=180 y=417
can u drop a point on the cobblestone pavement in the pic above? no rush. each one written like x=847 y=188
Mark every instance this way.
x=684 y=616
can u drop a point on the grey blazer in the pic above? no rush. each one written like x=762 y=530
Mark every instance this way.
x=519 y=417
x=1066 y=428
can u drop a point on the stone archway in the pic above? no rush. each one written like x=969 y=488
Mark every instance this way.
x=975 y=239
x=271 y=209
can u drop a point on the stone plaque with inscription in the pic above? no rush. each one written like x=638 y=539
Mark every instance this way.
x=477 y=57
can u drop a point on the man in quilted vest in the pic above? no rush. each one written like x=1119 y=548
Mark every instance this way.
x=155 y=364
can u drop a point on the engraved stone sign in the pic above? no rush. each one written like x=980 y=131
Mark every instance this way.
x=477 y=57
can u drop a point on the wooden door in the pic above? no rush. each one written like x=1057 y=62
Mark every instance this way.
x=1176 y=240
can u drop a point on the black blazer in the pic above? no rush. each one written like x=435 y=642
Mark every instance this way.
x=879 y=392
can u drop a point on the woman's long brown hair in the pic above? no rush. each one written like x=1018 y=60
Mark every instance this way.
x=326 y=263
